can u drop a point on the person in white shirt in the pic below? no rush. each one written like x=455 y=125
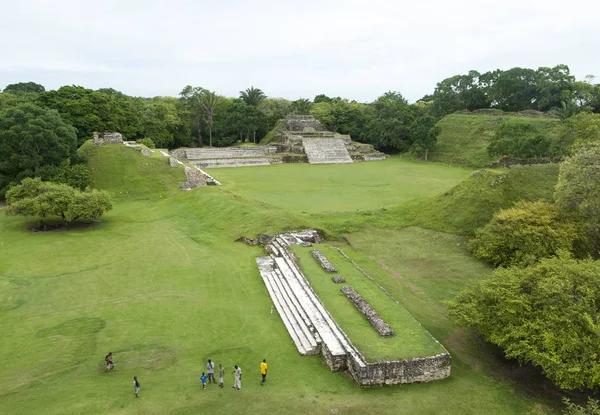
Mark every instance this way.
x=237 y=374
x=210 y=368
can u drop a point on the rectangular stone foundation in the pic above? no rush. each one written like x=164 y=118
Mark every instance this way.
x=398 y=372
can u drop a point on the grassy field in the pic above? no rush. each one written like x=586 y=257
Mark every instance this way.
x=348 y=187
x=162 y=284
x=464 y=138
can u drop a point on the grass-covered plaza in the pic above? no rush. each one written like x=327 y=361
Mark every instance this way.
x=161 y=282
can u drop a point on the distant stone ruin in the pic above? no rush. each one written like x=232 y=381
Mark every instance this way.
x=313 y=329
x=107 y=138
x=323 y=261
x=296 y=139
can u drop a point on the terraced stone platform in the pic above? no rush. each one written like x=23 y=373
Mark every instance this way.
x=241 y=162
x=313 y=330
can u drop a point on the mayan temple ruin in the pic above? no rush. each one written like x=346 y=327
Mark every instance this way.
x=295 y=139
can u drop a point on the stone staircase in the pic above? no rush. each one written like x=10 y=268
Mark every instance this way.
x=326 y=151
x=309 y=324
x=235 y=162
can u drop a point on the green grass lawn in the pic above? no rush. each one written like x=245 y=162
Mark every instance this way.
x=344 y=187
x=161 y=283
x=409 y=339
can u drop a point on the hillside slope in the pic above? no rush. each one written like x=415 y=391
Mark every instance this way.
x=464 y=138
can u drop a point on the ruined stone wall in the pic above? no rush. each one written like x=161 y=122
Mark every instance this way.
x=303 y=123
x=513 y=161
x=366 y=310
x=397 y=372
x=108 y=138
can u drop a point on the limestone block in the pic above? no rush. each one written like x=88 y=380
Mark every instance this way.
x=377 y=322
x=324 y=262
x=338 y=279
x=146 y=152
x=173 y=162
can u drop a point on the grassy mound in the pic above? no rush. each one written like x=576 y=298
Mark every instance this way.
x=462 y=209
x=464 y=138
x=128 y=175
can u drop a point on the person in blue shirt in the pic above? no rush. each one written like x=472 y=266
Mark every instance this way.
x=203 y=379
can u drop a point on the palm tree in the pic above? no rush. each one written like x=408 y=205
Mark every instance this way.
x=252 y=96
x=208 y=100
x=302 y=106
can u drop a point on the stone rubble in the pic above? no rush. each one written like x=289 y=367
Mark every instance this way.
x=338 y=279
x=366 y=310
x=324 y=262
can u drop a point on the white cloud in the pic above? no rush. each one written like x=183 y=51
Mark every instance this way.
x=355 y=49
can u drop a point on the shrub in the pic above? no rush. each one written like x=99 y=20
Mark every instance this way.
x=148 y=142
x=523 y=234
x=34 y=197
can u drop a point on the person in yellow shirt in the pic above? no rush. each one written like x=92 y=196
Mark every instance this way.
x=263 y=371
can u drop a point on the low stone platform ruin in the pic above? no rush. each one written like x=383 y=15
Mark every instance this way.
x=313 y=330
x=326 y=151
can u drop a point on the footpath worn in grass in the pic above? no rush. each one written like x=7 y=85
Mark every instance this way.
x=409 y=339
x=161 y=283
x=344 y=187
x=464 y=138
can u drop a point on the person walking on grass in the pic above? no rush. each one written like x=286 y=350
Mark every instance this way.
x=263 y=371
x=210 y=368
x=203 y=379
x=109 y=362
x=136 y=386
x=221 y=375
x=237 y=375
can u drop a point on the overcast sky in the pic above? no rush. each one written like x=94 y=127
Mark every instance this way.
x=352 y=49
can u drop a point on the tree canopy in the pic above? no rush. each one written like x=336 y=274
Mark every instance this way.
x=546 y=314
x=30 y=139
x=523 y=234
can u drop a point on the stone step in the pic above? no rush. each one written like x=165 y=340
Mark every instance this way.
x=303 y=322
x=326 y=151
x=374 y=157
x=282 y=308
x=227 y=152
x=332 y=335
x=231 y=162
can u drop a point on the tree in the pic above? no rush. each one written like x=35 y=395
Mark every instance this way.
x=301 y=106
x=30 y=139
x=423 y=131
x=209 y=101
x=29 y=87
x=523 y=234
x=516 y=138
x=546 y=314
x=555 y=86
x=575 y=131
x=34 y=197
x=253 y=96
x=515 y=90
x=578 y=189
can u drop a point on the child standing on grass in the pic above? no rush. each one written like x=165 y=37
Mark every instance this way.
x=221 y=375
x=203 y=379
x=136 y=386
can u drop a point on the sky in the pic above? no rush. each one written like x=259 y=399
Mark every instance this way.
x=353 y=49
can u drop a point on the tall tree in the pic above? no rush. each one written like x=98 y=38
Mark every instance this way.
x=253 y=96
x=190 y=99
x=301 y=106
x=30 y=139
x=209 y=101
